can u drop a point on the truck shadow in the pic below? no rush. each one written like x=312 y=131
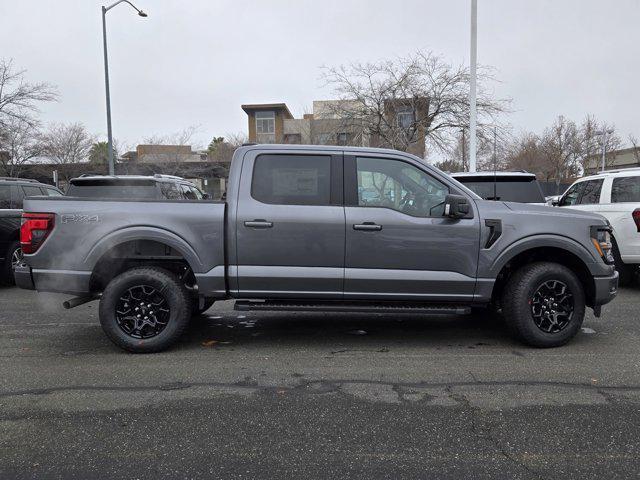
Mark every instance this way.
x=343 y=332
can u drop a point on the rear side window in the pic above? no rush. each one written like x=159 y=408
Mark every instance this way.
x=130 y=190
x=5 y=196
x=292 y=179
x=31 y=191
x=625 y=189
x=591 y=192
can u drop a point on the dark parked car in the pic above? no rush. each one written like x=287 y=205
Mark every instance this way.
x=134 y=187
x=12 y=193
x=519 y=187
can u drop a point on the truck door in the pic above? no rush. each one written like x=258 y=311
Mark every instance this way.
x=399 y=246
x=290 y=225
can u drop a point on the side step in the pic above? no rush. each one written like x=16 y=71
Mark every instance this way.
x=354 y=307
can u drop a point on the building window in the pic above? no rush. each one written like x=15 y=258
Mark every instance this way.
x=405 y=116
x=266 y=127
x=323 y=139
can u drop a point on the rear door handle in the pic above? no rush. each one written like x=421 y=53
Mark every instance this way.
x=258 y=224
x=367 y=226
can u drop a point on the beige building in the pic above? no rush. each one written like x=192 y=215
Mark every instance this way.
x=332 y=122
x=625 y=158
x=164 y=154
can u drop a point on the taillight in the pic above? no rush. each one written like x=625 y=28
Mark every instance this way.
x=636 y=218
x=35 y=228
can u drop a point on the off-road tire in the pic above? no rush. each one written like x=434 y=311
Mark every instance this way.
x=175 y=294
x=518 y=294
x=6 y=272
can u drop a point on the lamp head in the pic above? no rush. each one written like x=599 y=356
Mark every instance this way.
x=141 y=13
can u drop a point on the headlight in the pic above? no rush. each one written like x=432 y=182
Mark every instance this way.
x=601 y=238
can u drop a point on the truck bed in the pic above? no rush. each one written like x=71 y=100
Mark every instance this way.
x=88 y=231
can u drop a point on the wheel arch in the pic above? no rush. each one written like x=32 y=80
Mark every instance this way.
x=559 y=250
x=137 y=247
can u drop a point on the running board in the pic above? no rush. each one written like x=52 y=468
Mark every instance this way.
x=351 y=307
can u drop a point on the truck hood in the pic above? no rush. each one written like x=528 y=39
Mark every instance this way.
x=530 y=209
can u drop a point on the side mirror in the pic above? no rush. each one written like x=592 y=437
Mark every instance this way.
x=456 y=206
x=555 y=203
x=206 y=196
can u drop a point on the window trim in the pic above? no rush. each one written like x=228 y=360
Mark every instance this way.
x=351 y=183
x=336 y=194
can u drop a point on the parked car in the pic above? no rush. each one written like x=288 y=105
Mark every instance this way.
x=12 y=193
x=520 y=187
x=141 y=187
x=296 y=234
x=614 y=194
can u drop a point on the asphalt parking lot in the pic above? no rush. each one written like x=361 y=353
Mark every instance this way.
x=316 y=396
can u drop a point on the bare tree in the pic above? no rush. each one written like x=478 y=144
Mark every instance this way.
x=431 y=95
x=18 y=98
x=635 y=148
x=174 y=154
x=589 y=143
x=67 y=144
x=19 y=144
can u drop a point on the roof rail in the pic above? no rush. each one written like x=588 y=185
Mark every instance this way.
x=174 y=177
x=617 y=170
x=16 y=179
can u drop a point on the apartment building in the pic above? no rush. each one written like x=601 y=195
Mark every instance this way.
x=337 y=122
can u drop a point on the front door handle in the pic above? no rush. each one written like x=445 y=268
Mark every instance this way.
x=368 y=227
x=258 y=223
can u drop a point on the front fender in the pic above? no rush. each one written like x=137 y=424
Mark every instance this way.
x=492 y=267
x=143 y=232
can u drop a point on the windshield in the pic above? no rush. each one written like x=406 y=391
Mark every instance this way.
x=507 y=189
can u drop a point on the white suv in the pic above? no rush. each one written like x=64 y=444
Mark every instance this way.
x=614 y=194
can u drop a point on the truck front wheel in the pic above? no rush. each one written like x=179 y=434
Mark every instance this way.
x=145 y=310
x=544 y=304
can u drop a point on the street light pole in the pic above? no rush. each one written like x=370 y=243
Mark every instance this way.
x=106 y=79
x=603 y=134
x=472 y=93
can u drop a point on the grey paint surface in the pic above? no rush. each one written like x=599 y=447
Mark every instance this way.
x=313 y=252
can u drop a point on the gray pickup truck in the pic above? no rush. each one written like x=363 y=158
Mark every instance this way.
x=322 y=229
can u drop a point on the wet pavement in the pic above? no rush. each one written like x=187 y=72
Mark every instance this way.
x=284 y=395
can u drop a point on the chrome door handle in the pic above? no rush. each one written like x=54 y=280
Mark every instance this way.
x=258 y=224
x=367 y=226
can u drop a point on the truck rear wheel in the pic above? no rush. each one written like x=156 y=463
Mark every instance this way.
x=145 y=310
x=544 y=304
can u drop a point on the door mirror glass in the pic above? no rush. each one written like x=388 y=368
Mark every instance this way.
x=456 y=206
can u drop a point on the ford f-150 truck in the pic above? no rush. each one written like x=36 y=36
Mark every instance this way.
x=324 y=229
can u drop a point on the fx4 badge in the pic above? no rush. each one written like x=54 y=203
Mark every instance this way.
x=79 y=218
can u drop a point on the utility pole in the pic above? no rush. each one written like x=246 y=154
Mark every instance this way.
x=603 y=134
x=464 y=153
x=472 y=93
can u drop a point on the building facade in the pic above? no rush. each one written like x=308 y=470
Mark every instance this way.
x=625 y=158
x=339 y=122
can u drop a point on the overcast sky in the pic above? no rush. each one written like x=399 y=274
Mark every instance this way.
x=194 y=62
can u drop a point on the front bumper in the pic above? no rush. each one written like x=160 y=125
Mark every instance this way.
x=606 y=289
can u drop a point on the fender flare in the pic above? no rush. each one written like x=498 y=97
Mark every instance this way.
x=143 y=232
x=540 y=241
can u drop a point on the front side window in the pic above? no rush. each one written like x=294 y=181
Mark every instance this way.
x=266 y=127
x=625 y=189
x=400 y=186
x=170 y=191
x=292 y=179
x=591 y=192
x=572 y=195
